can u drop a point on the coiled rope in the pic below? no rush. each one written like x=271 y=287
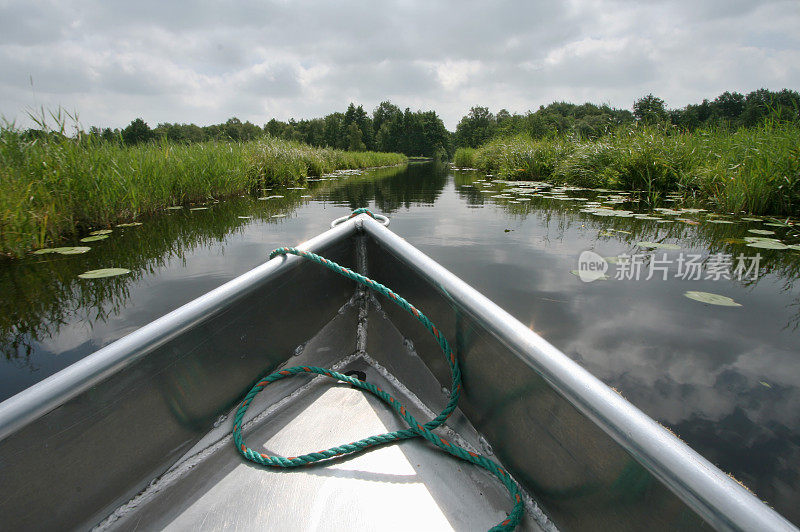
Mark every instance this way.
x=415 y=428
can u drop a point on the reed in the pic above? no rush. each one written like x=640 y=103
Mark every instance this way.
x=56 y=186
x=464 y=157
x=755 y=170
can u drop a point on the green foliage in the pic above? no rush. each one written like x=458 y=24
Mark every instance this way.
x=650 y=110
x=475 y=128
x=749 y=170
x=137 y=132
x=740 y=152
x=55 y=185
x=354 y=135
x=733 y=110
x=464 y=157
x=558 y=118
x=589 y=121
x=417 y=133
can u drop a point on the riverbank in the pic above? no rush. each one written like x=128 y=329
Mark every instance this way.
x=61 y=187
x=753 y=170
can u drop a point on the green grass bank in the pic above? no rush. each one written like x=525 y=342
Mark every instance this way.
x=753 y=170
x=58 y=186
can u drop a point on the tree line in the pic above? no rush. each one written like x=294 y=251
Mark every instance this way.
x=389 y=129
x=728 y=110
x=422 y=133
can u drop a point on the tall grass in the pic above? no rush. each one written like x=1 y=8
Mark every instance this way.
x=751 y=170
x=464 y=157
x=56 y=185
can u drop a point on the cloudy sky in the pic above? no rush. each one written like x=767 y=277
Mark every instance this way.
x=205 y=61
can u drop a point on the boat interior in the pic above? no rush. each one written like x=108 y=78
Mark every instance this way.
x=138 y=435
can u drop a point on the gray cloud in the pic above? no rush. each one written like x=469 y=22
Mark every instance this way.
x=203 y=62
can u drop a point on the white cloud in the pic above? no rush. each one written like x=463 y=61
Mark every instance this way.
x=205 y=62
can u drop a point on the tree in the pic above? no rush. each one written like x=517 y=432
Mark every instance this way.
x=650 y=110
x=386 y=112
x=435 y=137
x=475 y=128
x=136 y=132
x=332 y=131
x=354 y=141
x=688 y=118
x=110 y=135
x=728 y=106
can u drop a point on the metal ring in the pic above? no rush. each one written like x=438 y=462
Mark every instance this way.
x=379 y=217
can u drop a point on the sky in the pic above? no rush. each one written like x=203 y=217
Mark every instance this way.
x=206 y=61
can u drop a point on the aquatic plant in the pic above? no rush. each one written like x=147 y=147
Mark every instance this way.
x=755 y=170
x=56 y=185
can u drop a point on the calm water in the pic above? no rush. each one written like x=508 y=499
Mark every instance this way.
x=726 y=379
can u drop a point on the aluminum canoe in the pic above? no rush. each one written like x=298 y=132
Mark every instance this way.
x=137 y=435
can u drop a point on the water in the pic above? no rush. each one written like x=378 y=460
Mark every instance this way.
x=725 y=379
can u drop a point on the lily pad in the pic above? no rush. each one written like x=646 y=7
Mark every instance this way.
x=174 y=207
x=654 y=245
x=720 y=221
x=751 y=219
x=44 y=251
x=94 y=238
x=198 y=208
x=75 y=250
x=795 y=247
x=757 y=238
x=767 y=244
x=101 y=232
x=711 y=299
x=761 y=231
x=590 y=276
x=132 y=224
x=104 y=272
x=63 y=251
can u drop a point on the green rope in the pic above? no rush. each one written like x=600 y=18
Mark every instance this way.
x=356 y=212
x=416 y=429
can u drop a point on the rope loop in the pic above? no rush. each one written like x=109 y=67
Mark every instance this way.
x=415 y=428
x=363 y=210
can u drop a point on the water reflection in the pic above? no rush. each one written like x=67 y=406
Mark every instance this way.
x=724 y=379
x=420 y=184
x=49 y=317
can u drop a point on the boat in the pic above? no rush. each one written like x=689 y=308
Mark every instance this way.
x=142 y=434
